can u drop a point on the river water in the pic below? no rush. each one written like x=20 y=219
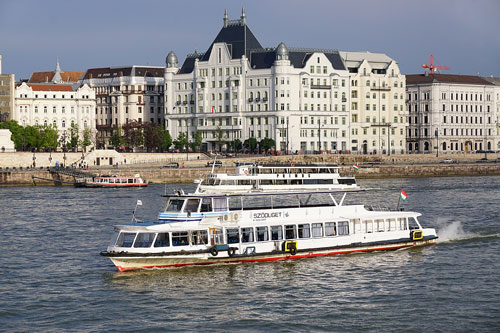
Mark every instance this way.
x=53 y=279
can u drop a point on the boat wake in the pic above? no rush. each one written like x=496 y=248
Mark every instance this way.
x=454 y=232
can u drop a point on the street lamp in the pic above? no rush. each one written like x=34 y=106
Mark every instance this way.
x=34 y=160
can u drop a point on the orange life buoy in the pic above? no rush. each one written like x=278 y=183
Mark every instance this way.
x=246 y=172
x=292 y=164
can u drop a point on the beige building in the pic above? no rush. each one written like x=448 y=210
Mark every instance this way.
x=7 y=84
x=377 y=106
x=125 y=94
x=451 y=113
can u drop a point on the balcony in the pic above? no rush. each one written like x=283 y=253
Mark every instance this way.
x=250 y=100
x=264 y=99
x=184 y=102
x=321 y=86
x=191 y=102
x=344 y=99
x=257 y=99
x=178 y=103
x=382 y=88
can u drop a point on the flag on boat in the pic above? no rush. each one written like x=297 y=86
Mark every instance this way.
x=355 y=167
x=213 y=109
x=403 y=195
x=139 y=203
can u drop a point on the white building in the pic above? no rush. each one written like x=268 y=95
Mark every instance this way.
x=378 y=113
x=297 y=97
x=126 y=94
x=452 y=113
x=55 y=104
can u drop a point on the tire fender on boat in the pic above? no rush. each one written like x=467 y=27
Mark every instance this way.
x=231 y=251
x=213 y=251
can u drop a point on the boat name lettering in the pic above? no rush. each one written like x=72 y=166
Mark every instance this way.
x=266 y=215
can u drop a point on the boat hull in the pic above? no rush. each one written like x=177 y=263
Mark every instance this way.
x=128 y=263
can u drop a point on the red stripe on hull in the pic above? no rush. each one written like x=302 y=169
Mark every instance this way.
x=287 y=257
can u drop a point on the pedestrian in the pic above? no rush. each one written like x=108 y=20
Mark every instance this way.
x=117 y=165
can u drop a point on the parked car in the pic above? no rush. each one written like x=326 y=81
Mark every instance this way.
x=216 y=163
x=172 y=165
x=482 y=160
x=449 y=160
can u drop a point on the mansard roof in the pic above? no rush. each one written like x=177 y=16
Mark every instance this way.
x=265 y=58
x=188 y=65
x=445 y=78
x=234 y=36
x=109 y=72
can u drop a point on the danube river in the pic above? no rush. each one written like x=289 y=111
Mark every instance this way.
x=53 y=279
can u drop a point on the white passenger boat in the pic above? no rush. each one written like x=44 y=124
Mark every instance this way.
x=277 y=177
x=113 y=181
x=200 y=229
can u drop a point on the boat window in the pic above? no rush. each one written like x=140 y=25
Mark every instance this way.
x=262 y=234
x=304 y=230
x=244 y=182
x=290 y=231
x=317 y=229
x=343 y=228
x=162 y=240
x=266 y=182
x=227 y=182
x=174 y=205
x=111 y=181
x=206 y=205
x=276 y=232
x=144 y=239
x=130 y=181
x=125 y=239
x=402 y=223
x=247 y=235
x=180 y=238
x=114 y=238
x=233 y=235
x=192 y=205
x=413 y=223
x=330 y=229
x=391 y=224
x=220 y=204
x=379 y=225
x=199 y=237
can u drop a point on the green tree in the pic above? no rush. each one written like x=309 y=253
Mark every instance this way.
x=266 y=144
x=85 y=142
x=133 y=134
x=197 y=141
x=73 y=137
x=221 y=139
x=251 y=144
x=237 y=145
x=49 y=136
x=116 y=139
x=18 y=133
x=182 y=141
x=166 y=139
x=152 y=136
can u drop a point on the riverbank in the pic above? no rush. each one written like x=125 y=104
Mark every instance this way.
x=160 y=175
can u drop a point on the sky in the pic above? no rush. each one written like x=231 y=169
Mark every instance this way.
x=461 y=34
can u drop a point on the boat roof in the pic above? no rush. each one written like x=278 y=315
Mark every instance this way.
x=255 y=193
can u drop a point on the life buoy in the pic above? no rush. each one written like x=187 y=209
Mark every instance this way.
x=246 y=172
x=293 y=250
x=292 y=164
x=231 y=251
x=214 y=252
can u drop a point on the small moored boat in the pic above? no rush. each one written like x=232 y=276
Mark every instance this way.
x=113 y=181
x=201 y=229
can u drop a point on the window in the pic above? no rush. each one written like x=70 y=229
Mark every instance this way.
x=330 y=229
x=180 y=238
x=247 y=235
x=343 y=228
x=174 y=206
x=317 y=230
x=206 y=204
x=290 y=231
x=199 y=237
x=144 y=239
x=125 y=239
x=304 y=230
x=162 y=240
x=262 y=234
x=276 y=232
x=192 y=205
x=232 y=235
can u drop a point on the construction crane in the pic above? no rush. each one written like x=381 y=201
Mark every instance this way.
x=431 y=67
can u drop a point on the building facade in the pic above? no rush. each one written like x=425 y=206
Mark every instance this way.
x=378 y=112
x=60 y=105
x=451 y=113
x=126 y=94
x=239 y=90
x=7 y=84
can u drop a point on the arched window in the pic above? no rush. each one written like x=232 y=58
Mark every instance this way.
x=85 y=124
x=54 y=123
x=64 y=123
x=444 y=146
x=45 y=122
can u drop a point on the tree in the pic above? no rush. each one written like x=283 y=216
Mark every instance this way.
x=237 y=145
x=220 y=137
x=133 y=134
x=152 y=136
x=18 y=133
x=166 y=139
x=266 y=144
x=116 y=139
x=250 y=144
x=49 y=135
x=85 y=142
x=197 y=141
x=182 y=141
x=73 y=137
